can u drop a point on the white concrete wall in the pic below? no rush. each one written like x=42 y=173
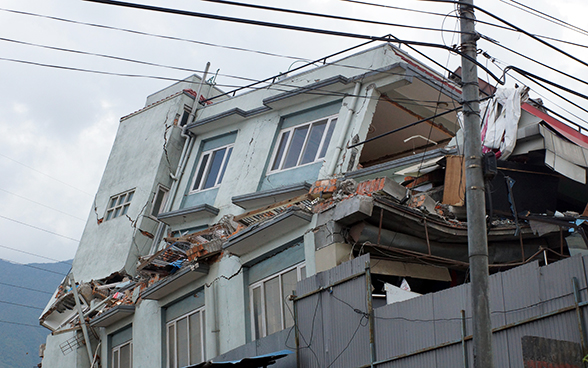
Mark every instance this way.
x=137 y=160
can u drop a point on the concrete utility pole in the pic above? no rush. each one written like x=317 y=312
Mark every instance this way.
x=475 y=202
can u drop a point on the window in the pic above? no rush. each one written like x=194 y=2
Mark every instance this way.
x=185 y=340
x=303 y=144
x=119 y=205
x=271 y=310
x=159 y=200
x=122 y=355
x=211 y=168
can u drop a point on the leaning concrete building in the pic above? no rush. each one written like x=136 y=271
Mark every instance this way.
x=216 y=211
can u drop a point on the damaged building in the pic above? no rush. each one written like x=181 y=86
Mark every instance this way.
x=216 y=211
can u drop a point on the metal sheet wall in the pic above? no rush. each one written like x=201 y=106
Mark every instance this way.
x=427 y=331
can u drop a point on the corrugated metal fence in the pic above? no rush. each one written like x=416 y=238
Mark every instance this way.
x=432 y=331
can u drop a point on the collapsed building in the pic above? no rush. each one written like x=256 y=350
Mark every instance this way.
x=213 y=207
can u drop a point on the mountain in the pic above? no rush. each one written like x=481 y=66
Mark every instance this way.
x=20 y=308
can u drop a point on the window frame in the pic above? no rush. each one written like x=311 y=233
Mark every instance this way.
x=160 y=188
x=206 y=171
x=202 y=316
x=116 y=209
x=331 y=120
x=117 y=348
x=259 y=284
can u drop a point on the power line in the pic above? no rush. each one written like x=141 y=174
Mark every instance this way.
x=150 y=34
x=457 y=17
x=42 y=173
x=35 y=267
x=20 y=323
x=38 y=228
x=41 y=204
x=34 y=254
x=519 y=29
x=330 y=16
x=547 y=17
x=117 y=58
x=26 y=288
x=21 y=305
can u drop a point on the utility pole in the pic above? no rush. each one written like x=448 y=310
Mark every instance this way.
x=475 y=201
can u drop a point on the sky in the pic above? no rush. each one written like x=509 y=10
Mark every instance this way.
x=57 y=125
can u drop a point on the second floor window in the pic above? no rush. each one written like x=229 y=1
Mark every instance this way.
x=185 y=340
x=211 y=168
x=303 y=144
x=119 y=205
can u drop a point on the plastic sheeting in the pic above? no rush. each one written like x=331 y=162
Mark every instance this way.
x=500 y=120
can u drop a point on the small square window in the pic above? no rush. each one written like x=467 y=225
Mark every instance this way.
x=211 y=168
x=119 y=205
x=303 y=144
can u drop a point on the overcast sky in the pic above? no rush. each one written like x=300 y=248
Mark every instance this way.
x=57 y=126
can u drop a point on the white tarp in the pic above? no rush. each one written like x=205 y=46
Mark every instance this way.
x=500 y=121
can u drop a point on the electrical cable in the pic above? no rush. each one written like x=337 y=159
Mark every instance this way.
x=41 y=204
x=456 y=16
x=35 y=267
x=537 y=62
x=286 y=26
x=545 y=16
x=519 y=29
x=20 y=305
x=42 y=173
x=530 y=75
x=149 y=34
x=329 y=16
x=20 y=324
x=39 y=228
x=25 y=288
x=35 y=254
x=118 y=58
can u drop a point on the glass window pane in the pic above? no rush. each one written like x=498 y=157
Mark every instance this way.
x=201 y=169
x=116 y=212
x=171 y=346
x=130 y=196
x=158 y=203
x=220 y=178
x=112 y=202
x=125 y=209
x=195 y=339
x=289 y=280
x=215 y=166
x=328 y=138
x=108 y=215
x=302 y=272
x=273 y=309
x=281 y=149
x=313 y=142
x=182 y=341
x=125 y=356
x=121 y=199
x=295 y=147
x=257 y=316
x=115 y=358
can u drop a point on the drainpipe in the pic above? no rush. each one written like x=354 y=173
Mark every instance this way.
x=72 y=283
x=188 y=144
x=343 y=135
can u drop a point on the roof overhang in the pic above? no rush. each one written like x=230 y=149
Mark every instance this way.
x=185 y=215
x=250 y=238
x=176 y=281
x=113 y=315
x=267 y=197
x=249 y=362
